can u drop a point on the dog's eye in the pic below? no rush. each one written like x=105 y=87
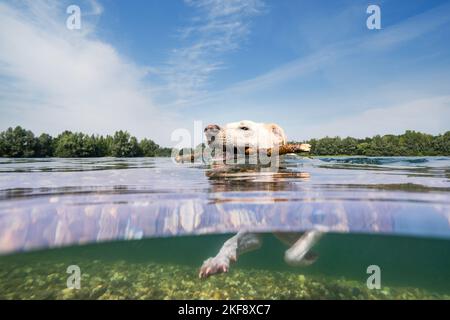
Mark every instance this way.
x=245 y=128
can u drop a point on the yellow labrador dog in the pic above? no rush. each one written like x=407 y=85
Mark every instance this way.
x=237 y=137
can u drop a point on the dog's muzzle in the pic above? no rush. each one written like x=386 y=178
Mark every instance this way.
x=211 y=132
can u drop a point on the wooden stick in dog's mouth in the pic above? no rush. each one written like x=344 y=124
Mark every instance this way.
x=283 y=149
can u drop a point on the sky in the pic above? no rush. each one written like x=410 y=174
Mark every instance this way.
x=154 y=67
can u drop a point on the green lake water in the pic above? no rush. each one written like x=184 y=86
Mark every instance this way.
x=411 y=268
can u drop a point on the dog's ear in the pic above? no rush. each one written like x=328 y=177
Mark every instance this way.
x=277 y=131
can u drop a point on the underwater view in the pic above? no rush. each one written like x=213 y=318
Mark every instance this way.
x=140 y=228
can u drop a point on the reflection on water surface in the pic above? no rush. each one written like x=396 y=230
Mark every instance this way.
x=53 y=202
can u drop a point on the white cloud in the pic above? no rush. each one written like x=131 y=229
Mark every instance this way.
x=52 y=78
x=426 y=115
x=218 y=27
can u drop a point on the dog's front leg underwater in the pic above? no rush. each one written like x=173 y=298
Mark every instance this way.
x=237 y=245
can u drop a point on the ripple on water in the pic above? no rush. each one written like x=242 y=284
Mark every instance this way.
x=51 y=202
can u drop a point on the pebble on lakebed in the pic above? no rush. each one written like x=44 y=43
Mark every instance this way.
x=122 y=280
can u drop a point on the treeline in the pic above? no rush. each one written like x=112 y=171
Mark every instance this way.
x=21 y=143
x=411 y=143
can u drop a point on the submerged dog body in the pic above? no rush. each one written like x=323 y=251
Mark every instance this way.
x=237 y=137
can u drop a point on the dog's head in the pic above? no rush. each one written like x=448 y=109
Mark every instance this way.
x=244 y=134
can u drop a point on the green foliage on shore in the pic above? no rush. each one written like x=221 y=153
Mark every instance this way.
x=411 y=143
x=21 y=143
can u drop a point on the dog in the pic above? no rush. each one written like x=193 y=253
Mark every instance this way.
x=238 y=137
x=245 y=134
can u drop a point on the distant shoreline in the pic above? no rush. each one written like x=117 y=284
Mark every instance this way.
x=21 y=143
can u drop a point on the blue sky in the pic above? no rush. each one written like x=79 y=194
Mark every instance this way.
x=151 y=67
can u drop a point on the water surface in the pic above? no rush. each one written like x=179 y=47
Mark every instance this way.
x=393 y=212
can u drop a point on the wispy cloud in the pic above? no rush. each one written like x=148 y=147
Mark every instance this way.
x=53 y=78
x=217 y=28
x=388 y=38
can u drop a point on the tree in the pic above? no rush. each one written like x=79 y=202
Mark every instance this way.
x=17 y=143
x=44 y=146
x=163 y=152
x=363 y=148
x=124 y=145
x=441 y=144
x=104 y=145
x=65 y=145
x=148 y=148
x=327 y=146
x=349 y=146
x=71 y=145
x=415 y=143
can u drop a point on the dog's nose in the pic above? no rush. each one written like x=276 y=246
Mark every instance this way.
x=212 y=127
